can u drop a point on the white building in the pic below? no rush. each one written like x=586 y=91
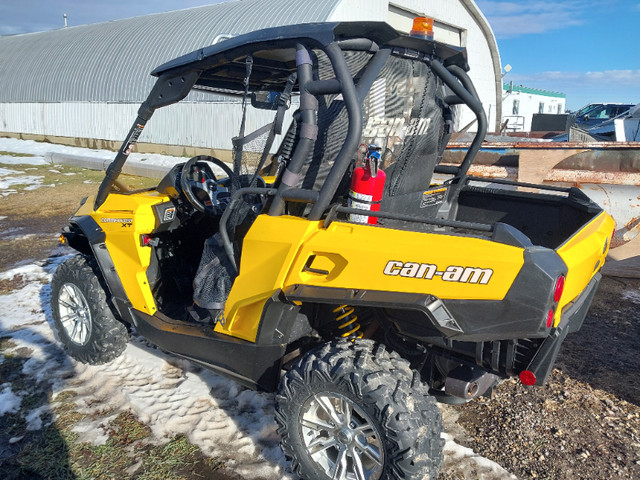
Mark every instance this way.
x=83 y=85
x=520 y=103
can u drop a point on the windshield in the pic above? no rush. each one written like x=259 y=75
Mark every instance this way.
x=587 y=109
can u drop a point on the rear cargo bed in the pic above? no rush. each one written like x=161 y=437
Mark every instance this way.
x=563 y=220
x=548 y=220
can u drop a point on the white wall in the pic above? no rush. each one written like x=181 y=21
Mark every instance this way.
x=519 y=107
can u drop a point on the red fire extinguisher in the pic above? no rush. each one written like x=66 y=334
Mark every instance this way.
x=367 y=184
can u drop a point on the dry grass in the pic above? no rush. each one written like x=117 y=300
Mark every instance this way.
x=34 y=218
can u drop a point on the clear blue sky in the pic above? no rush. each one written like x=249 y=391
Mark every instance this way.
x=587 y=49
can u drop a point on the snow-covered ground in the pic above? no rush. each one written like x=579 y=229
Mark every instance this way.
x=170 y=395
x=42 y=151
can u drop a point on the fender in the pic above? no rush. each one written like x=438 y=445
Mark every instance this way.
x=89 y=239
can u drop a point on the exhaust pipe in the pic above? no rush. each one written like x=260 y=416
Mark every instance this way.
x=468 y=383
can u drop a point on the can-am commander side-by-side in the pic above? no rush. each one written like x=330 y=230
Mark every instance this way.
x=326 y=264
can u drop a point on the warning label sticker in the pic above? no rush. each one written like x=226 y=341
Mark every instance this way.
x=433 y=197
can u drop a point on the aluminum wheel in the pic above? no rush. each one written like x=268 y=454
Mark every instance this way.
x=75 y=315
x=341 y=438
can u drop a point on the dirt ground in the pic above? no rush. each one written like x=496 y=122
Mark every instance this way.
x=584 y=424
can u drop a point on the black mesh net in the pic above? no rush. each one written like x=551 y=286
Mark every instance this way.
x=214 y=277
x=252 y=153
x=404 y=117
x=249 y=149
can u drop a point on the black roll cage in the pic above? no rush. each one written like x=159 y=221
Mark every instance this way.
x=216 y=68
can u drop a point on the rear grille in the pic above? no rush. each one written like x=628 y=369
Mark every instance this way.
x=524 y=353
x=508 y=357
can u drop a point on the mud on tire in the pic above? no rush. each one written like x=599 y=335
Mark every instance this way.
x=81 y=314
x=345 y=400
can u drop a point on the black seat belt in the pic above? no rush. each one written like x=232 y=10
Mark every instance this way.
x=237 y=145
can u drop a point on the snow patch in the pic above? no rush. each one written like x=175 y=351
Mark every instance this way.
x=17 y=237
x=9 y=401
x=478 y=466
x=6 y=171
x=6 y=182
x=34 y=418
x=93 y=431
x=632 y=296
x=43 y=149
x=17 y=160
x=38 y=185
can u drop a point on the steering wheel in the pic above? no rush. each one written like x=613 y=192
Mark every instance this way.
x=206 y=183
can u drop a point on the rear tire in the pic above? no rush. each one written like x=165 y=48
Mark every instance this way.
x=83 y=319
x=355 y=411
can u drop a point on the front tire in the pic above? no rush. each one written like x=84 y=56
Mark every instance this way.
x=355 y=411
x=81 y=314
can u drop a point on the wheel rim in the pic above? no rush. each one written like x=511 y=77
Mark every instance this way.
x=75 y=315
x=341 y=438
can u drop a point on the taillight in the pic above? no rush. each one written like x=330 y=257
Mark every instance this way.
x=557 y=293
x=550 y=318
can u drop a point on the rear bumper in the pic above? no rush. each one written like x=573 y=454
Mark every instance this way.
x=572 y=319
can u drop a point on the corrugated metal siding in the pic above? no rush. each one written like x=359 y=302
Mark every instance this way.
x=195 y=124
x=110 y=62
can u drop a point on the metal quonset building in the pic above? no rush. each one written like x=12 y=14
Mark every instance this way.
x=83 y=85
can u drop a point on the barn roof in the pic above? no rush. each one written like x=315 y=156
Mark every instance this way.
x=111 y=61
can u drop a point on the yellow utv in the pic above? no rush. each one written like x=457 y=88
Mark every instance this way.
x=324 y=262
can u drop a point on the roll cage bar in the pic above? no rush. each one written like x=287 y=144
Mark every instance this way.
x=276 y=54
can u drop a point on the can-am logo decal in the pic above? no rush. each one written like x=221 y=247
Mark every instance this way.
x=169 y=215
x=428 y=271
x=380 y=127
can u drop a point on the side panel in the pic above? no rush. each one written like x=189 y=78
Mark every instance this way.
x=124 y=218
x=282 y=252
x=268 y=250
x=584 y=253
x=367 y=257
